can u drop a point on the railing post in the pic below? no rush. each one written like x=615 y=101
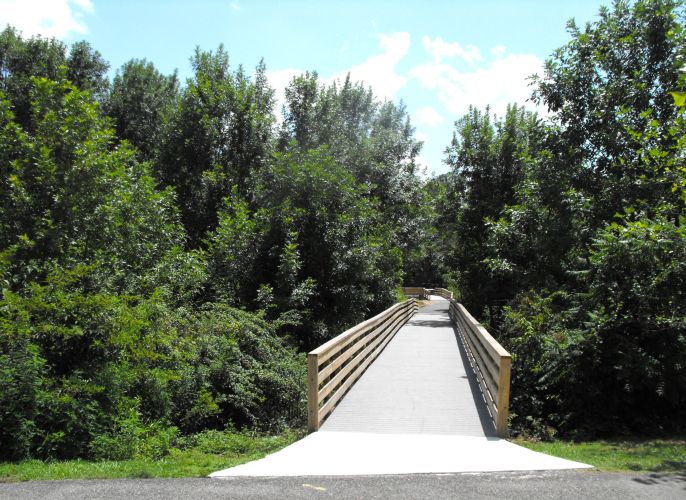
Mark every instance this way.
x=312 y=393
x=503 y=396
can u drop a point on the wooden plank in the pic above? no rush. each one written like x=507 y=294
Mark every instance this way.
x=313 y=420
x=385 y=329
x=353 y=348
x=328 y=349
x=492 y=355
x=331 y=403
x=487 y=385
x=485 y=360
x=483 y=350
x=488 y=397
x=497 y=348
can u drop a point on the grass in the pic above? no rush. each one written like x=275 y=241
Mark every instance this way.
x=204 y=453
x=668 y=455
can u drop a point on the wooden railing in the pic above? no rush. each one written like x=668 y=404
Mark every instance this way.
x=491 y=364
x=442 y=292
x=334 y=367
x=416 y=291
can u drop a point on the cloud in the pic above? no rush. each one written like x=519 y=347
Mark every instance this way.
x=428 y=116
x=441 y=49
x=496 y=82
x=279 y=80
x=235 y=6
x=49 y=18
x=498 y=51
x=379 y=70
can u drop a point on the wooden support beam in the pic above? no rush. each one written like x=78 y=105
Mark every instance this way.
x=312 y=393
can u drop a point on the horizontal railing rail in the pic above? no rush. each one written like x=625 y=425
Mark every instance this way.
x=416 y=291
x=335 y=366
x=491 y=364
x=442 y=292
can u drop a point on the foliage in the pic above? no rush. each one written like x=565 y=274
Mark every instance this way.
x=21 y=60
x=108 y=346
x=190 y=456
x=314 y=252
x=140 y=103
x=106 y=375
x=218 y=136
x=567 y=237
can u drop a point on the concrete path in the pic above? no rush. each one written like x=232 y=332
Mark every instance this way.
x=417 y=409
x=359 y=454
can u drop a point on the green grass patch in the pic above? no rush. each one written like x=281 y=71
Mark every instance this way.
x=193 y=456
x=625 y=456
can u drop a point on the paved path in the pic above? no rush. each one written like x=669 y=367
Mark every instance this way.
x=417 y=409
x=509 y=485
x=417 y=385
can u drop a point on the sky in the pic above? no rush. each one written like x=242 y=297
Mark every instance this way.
x=438 y=57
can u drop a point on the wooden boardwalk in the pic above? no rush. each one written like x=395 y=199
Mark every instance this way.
x=421 y=383
x=417 y=409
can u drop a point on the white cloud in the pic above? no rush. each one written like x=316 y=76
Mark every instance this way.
x=496 y=82
x=441 y=49
x=279 y=80
x=235 y=6
x=498 y=51
x=423 y=165
x=421 y=136
x=49 y=18
x=428 y=116
x=379 y=70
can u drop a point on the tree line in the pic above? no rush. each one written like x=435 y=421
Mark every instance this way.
x=168 y=250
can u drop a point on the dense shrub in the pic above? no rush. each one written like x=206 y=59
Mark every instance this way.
x=109 y=376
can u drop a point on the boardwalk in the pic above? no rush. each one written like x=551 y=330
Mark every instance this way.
x=417 y=409
x=420 y=384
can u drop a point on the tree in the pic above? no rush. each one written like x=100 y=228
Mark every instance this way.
x=610 y=81
x=69 y=196
x=373 y=140
x=141 y=102
x=21 y=60
x=315 y=253
x=488 y=160
x=219 y=136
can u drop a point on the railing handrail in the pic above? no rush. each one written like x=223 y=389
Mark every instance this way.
x=335 y=366
x=443 y=292
x=421 y=293
x=491 y=364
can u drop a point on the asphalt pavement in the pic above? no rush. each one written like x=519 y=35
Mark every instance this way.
x=500 y=485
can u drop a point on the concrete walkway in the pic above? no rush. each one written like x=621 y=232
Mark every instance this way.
x=417 y=409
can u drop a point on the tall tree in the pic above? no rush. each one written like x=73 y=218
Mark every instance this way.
x=220 y=134
x=22 y=59
x=141 y=102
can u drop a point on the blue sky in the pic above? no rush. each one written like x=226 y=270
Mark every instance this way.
x=437 y=56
